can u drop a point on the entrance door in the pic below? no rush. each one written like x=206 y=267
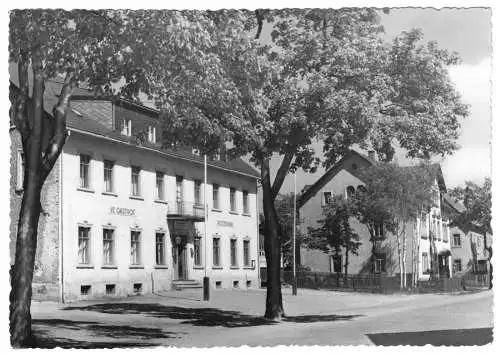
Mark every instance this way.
x=179 y=255
x=444 y=268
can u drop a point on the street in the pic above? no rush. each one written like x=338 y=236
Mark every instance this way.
x=234 y=318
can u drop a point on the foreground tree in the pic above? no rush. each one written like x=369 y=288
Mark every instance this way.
x=334 y=231
x=477 y=201
x=89 y=47
x=403 y=194
x=327 y=75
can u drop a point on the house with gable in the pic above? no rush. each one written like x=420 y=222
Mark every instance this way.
x=344 y=179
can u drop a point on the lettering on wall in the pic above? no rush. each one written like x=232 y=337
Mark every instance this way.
x=224 y=223
x=121 y=211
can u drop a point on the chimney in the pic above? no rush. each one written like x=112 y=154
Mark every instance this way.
x=371 y=155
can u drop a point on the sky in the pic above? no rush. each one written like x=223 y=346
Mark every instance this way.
x=468 y=32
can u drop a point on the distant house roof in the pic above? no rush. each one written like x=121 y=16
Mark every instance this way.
x=454 y=204
x=83 y=123
x=310 y=190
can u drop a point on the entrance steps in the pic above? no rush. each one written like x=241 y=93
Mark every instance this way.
x=186 y=284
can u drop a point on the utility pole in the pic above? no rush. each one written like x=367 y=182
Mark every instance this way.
x=294 y=285
x=206 y=279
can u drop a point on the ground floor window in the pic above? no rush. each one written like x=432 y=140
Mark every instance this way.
x=84 y=245
x=234 y=259
x=246 y=253
x=160 y=248
x=336 y=263
x=108 y=239
x=482 y=266
x=379 y=263
x=457 y=265
x=216 y=251
x=197 y=251
x=135 y=247
x=425 y=263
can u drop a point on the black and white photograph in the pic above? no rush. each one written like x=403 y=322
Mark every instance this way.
x=262 y=176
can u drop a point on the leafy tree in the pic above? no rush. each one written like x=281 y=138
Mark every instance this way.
x=477 y=201
x=95 y=48
x=334 y=231
x=403 y=194
x=327 y=76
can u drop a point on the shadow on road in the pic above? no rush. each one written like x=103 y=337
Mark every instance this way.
x=201 y=316
x=44 y=328
x=451 y=337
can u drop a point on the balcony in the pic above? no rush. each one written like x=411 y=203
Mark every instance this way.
x=180 y=210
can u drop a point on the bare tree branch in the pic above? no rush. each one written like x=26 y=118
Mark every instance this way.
x=60 y=134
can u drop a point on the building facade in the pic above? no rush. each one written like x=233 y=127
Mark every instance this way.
x=380 y=256
x=124 y=216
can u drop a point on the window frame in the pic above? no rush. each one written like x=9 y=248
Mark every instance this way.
x=160 y=190
x=197 y=250
x=134 y=193
x=459 y=240
x=197 y=192
x=246 y=253
x=216 y=196
x=163 y=248
x=138 y=256
x=233 y=252
x=246 y=202
x=216 y=255
x=20 y=169
x=111 y=177
x=88 y=247
x=86 y=183
x=233 y=205
x=113 y=245
x=126 y=127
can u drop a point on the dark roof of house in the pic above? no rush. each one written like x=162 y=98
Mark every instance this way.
x=86 y=124
x=323 y=180
x=455 y=204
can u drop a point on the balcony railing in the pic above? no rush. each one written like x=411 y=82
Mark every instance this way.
x=185 y=210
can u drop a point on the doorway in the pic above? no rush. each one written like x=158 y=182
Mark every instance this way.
x=444 y=266
x=179 y=254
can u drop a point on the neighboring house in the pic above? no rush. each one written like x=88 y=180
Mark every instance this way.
x=343 y=179
x=468 y=251
x=124 y=216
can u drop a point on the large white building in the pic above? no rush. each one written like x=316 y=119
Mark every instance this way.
x=122 y=215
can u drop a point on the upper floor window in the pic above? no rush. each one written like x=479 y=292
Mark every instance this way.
x=232 y=199
x=327 y=198
x=457 y=242
x=160 y=185
x=85 y=171
x=152 y=134
x=350 y=191
x=179 y=180
x=127 y=127
x=20 y=169
x=197 y=192
x=215 y=196
x=379 y=229
x=136 y=180
x=108 y=176
x=457 y=265
x=246 y=207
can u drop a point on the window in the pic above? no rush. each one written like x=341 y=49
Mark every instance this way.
x=85 y=171
x=85 y=289
x=232 y=199
x=327 y=197
x=457 y=265
x=127 y=127
x=160 y=248
x=197 y=251
x=216 y=251
x=20 y=169
x=84 y=245
x=262 y=251
x=152 y=134
x=350 y=191
x=336 y=263
x=379 y=263
x=108 y=176
x=135 y=247
x=178 y=188
x=246 y=253
x=379 y=229
x=456 y=240
x=136 y=188
x=197 y=192
x=137 y=288
x=108 y=246
x=215 y=195
x=160 y=176
x=110 y=289
x=246 y=207
x=425 y=263
x=234 y=260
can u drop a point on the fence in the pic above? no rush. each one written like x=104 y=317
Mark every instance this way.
x=472 y=280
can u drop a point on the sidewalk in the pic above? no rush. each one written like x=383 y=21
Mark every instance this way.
x=183 y=319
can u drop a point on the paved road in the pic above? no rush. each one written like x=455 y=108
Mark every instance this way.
x=232 y=318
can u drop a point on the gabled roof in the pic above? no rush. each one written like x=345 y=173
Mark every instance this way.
x=83 y=123
x=323 y=180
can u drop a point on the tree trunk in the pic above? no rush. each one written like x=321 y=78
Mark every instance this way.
x=346 y=263
x=272 y=247
x=403 y=258
x=22 y=272
x=400 y=261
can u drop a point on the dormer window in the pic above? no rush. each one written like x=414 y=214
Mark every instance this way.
x=152 y=134
x=127 y=127
x=350 y=191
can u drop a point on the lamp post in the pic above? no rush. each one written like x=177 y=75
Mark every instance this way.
x=294 y=285
x=206 y=279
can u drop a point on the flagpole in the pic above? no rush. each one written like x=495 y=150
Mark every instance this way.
x=206 y=279
x=294 y=286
